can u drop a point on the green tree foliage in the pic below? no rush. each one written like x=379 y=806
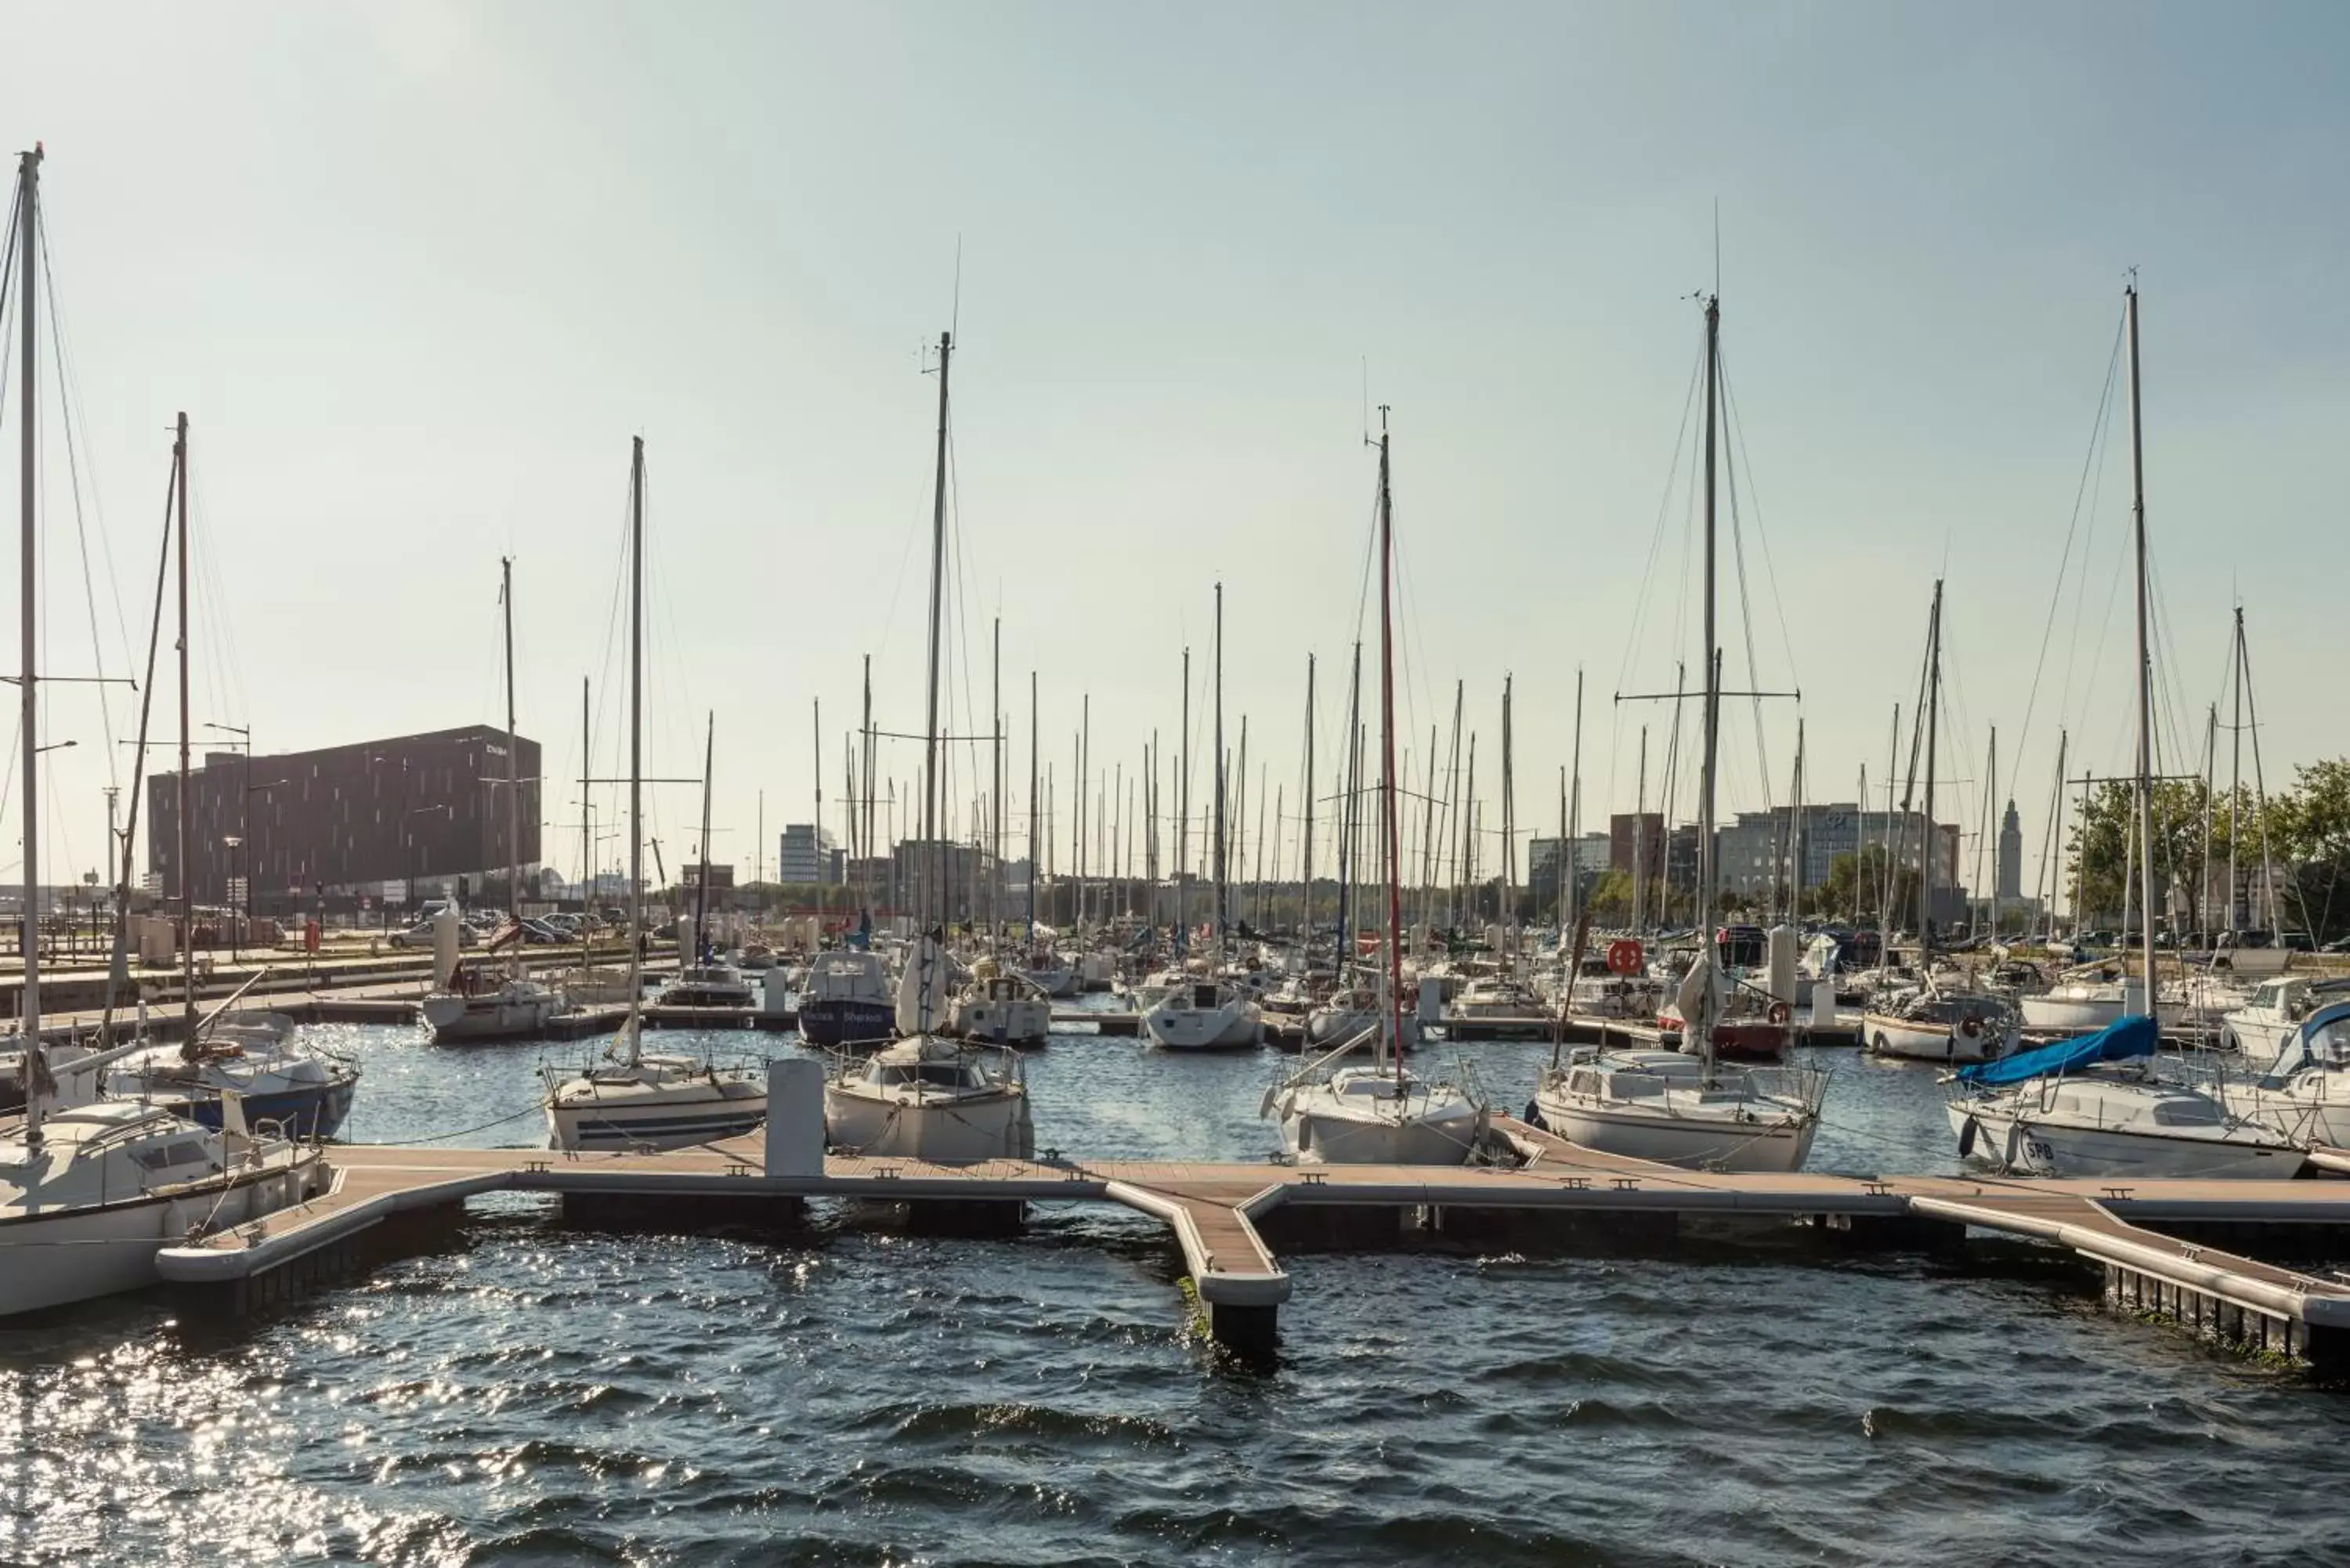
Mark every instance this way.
x=2303 y=831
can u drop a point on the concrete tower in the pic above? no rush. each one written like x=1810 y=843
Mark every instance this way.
x=2011 y=855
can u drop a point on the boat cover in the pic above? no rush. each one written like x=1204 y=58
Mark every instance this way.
x=2134 y=1035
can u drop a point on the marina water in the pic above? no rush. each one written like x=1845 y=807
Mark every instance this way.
x=530 y=1393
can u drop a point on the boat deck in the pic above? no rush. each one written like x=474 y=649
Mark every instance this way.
x=1213 y=1208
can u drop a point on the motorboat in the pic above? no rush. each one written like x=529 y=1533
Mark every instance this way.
x=846 y=1001
x=1205 y=1015
x=1497 y=1004
x=2092 y=1107
x=1001 y=1007
x=298 y=1094
x=2277 y=1009
x=2303 y=1089
x=91 y=1188
x=1353 y=1014
x=1050 y=973
x=1942 y=1026
x=1598 y=991
x=2076 y=1005
x=480 y=1004
x=715 y=985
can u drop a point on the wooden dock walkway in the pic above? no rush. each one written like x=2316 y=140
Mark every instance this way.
x=1214 y=1209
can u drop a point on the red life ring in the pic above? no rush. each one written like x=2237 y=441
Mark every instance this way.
x=1971 y=1025
x=1624 y=956
x=1780 y=1013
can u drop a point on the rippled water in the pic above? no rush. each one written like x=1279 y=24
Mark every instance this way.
x=536 y=1394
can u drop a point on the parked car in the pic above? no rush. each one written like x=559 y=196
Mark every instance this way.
x=2297 y=941
x=420 y=936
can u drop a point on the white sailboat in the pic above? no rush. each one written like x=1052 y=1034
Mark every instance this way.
x=475 y=1003
x=91 y=1188
x=1383 y=1114
x=2303 y=1089
x=2091 y=1107
x=1683 y=1107
x=930 y=1096
x=633 y=1099
x=1213 y=1012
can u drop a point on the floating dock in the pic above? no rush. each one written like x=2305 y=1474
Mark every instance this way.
x=1219 y=1212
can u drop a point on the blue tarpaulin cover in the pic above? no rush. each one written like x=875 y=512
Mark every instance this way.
x=2123 y=1038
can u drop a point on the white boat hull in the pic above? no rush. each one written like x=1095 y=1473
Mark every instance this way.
x=1233 y=1026
x=1693 y=1142
x=2055 y=1148
x=1321 y=1127
x=1923 y=1041
x=2064 y=1014
x=667 y=1110
x=942 y=1128
x=74 y=1254
x=457 y=1019
x=1023 y=1022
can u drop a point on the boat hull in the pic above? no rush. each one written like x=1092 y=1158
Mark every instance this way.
x=1689 y=1142
x=678 y=1115
x=1318 y=1128
x=1006 y=1022
x=459 y=1020
x=943 y=1129
x=832 y=1022
x=1913 y=1042
x=2052 y=1148
x=1234 y=1027
x=2069 y=1014
x=309 y=1110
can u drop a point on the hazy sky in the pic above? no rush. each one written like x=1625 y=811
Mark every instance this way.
x=417 y=272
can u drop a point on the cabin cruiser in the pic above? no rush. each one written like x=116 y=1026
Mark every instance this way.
x=92 y=1189
x=1205 y=1015
x=480 y=1004
x=1003 y=1008
x=1497 y=1003
x=1942 y=1026
x=2302 y=1088
x=301 y=1094
x=2090 y=1107
x=930 y=1098
x=847 y=999
x=2277 y=1009
x=715 y=985
x=1598 y=991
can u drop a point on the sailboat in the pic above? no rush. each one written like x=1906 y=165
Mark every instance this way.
x=92 y=1189
x=718 y=985
x=930 y=1096
x=255 y=1058
x=633 y=1099
x=1210 y=1012
x=475 y=1005
x=2093 y=1106
x=1383 y=1114
x=1683 y=1107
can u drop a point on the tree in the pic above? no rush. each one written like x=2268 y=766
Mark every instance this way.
x=1856 y=882
x=1610 y=898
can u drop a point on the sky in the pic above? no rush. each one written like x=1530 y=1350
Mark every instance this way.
x=418 y=273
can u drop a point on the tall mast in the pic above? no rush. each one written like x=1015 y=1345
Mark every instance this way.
x=1388 y=848
x=636 y=737
x=1706 y=870
x=1926 y=855
x=586 y=821
x=2235 y=770
x=702 y=881
x=1306 y=887
x=28 y=179
x=187 y=867
x=2145 y=656
x=932 y=906
x=513 y=775
x=1183 y=821
x=995 y=794
x=1508 y=907
x=1640 y=840
x=865 y=851
x=1573 y=815
x=1217 y=758
x=1035 y=855
x=815 y=829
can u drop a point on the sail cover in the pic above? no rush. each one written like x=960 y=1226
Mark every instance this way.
x=2134 y=1035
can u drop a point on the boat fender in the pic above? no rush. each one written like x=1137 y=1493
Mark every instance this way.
x=1533 y=1118
x=1967 y=1137
x=1972 y=1026
x=2014 y=1141
x=1780 y=1013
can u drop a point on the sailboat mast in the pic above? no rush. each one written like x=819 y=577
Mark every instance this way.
x=995 y=794
x=938 y=585
x=2235 y=768
x=513 y=775
x=1640 y=840
x=1218 y=756
x=1388 y=845
x=1933 y=716
x=1183 y=821
x=28 y=176
x=1706 y=870
x=1573 y=819
x=586 y=825
x=702 y=880
x=815 y=829
x=2145 y=666
x=636 y=737
x=187 y=878
x=1306 y=887
x=1036 y=858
